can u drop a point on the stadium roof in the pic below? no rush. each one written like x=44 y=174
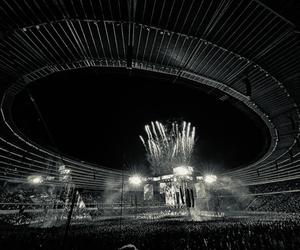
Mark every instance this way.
x=242 y=48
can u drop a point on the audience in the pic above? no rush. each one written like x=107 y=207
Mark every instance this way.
x=100 y=224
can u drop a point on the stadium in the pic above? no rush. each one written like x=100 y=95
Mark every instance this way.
x=146 y=124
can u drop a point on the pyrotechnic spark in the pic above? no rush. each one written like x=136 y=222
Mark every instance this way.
x=168 y=146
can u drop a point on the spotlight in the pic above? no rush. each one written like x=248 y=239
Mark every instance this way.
x=135 y=180
x=35 y=179
x=210 y=178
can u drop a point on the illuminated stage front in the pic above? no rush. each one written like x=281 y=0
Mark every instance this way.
x=182 y=189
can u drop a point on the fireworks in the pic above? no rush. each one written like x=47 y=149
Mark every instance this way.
x=168 y=146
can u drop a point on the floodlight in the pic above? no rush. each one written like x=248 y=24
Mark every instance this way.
x=35 y=179
x=135 y=180
x=210 y=178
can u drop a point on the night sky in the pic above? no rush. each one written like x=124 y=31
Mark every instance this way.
x=96 y=115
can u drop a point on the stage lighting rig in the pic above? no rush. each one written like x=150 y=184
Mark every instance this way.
x=183 y=171
x=210 y=178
